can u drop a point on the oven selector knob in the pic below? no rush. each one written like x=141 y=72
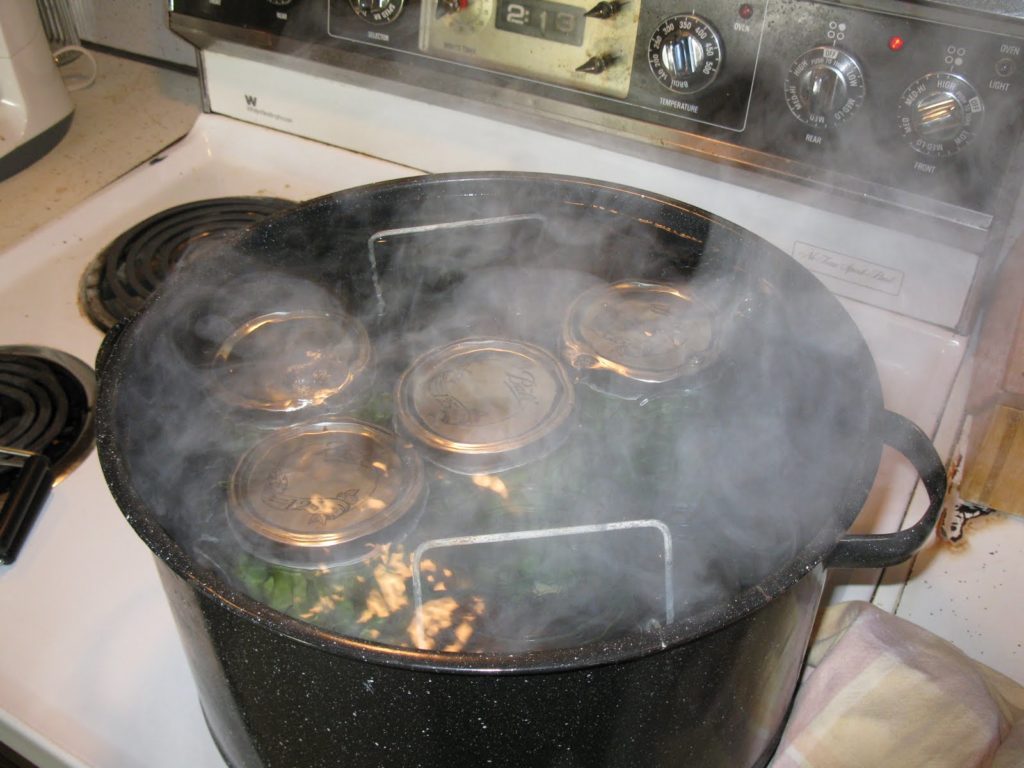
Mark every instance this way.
x=940 y=114
x=377 y=11
x=824 y=87
x=685 y=53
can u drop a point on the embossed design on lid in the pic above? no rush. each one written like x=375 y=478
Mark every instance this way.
x=634 y=333
x=485 y=405
x=327 y=493
x=288 y=361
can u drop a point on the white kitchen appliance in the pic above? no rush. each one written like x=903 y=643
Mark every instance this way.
x=35 y=109
x=735 y=108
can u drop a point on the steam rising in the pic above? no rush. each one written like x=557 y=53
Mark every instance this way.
x=760 y=461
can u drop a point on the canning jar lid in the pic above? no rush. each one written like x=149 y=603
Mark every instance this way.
x=326 y=493
x=629 y=335
x=292 y=360
x=485 y=405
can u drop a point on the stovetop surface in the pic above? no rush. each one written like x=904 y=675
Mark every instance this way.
x=91 y=669
x=90 y=652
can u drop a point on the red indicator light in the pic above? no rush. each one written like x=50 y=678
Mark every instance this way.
x=895 y=43
x=746 y=11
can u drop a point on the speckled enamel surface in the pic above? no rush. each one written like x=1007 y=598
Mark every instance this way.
x=274 y=702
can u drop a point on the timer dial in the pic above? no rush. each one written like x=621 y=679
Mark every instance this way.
x=377 y=11
x=939 y=114
x=685 y=53
x=824 y=87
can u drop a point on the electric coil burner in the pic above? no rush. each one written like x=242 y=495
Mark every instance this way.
x=46 y=430
x=121 y=278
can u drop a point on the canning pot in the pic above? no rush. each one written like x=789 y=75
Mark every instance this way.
x=774 y=448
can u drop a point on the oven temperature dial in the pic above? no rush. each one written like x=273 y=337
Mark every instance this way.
x=824 y=87
x=940 y=114
x=685 y=53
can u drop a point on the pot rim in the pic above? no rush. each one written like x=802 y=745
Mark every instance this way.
x=625 y=648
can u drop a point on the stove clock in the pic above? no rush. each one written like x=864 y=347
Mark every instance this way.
x=579 y=44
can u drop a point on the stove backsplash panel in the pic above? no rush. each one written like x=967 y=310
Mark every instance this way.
x=916 y=108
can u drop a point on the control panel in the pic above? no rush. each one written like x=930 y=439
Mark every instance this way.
x=917 y=107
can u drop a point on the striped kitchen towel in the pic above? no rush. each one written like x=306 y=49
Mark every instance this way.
x=881 y=691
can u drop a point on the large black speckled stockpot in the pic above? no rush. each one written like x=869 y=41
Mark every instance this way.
x=711 y=689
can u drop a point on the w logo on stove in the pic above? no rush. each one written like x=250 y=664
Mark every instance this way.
x=250 y=100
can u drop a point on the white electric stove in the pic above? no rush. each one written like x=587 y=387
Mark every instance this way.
x=91 y=670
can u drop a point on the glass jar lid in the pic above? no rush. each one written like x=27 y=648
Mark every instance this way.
x=326 y=493
x=288 y=361
x=631 y=334
x=485 y=405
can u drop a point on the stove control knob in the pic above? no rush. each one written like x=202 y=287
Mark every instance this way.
x=939 y=114
x=605 y=9
x=377 y=11
x=824 y=87
x=595 y=65
x=685 y=53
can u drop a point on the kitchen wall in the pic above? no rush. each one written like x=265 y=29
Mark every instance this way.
x=136 y=26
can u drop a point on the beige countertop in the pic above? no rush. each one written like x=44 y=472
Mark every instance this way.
x=131 y=112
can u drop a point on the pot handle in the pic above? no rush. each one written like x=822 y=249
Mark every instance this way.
x=880 y=550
